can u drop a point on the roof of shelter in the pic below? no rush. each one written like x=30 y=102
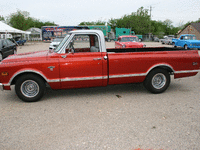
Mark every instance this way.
x=8 y=29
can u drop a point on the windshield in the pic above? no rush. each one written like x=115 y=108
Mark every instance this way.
x=61 y=43
x=57 y=39
x=129 y=39
x=190 y=37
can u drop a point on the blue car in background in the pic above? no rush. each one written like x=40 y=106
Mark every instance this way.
x=19 y=41
x=187 y=41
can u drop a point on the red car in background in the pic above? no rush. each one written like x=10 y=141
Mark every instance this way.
x=128 y=41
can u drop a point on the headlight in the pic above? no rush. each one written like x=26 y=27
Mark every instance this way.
x=144 y=45
x=123 y=46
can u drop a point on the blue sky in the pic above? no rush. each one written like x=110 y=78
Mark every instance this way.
x=72 y=12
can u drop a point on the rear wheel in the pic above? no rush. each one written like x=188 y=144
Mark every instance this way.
x=157 y=81
x=186 y=47
x=174 y=44
x=30 y=88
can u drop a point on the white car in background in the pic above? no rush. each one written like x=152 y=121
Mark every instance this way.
x=55 y=43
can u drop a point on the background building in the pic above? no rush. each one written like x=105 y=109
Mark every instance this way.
x=192 y=28
x=35 y=35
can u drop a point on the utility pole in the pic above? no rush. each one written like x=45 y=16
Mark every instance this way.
x=150 y=24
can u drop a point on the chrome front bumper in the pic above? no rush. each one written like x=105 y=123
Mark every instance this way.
x=1 y=86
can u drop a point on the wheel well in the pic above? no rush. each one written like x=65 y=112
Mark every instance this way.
x=25 y=73
x=170 y=70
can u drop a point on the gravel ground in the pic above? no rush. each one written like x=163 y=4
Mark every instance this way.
x=118 y=117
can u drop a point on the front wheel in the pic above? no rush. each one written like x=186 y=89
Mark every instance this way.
x=30 y=88
x=157 y=81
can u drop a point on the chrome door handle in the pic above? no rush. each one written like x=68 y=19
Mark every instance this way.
x=64 y=56
x=97 y=59
x=105 y=57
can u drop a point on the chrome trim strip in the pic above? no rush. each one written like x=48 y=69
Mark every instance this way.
x=128 y=75
x=81 y=79
x=53 y=80
x=105 y=77
x=187 y=71
x=95 y=78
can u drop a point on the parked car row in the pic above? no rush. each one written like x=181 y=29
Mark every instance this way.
x=55 y=42
x=7 y=47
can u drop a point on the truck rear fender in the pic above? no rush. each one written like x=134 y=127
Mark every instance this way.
x=162 y=66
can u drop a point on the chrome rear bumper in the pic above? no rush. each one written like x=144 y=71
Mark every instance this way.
x=1 y=86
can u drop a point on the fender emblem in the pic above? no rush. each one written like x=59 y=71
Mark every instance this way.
x=51 y=68
x=195 y=63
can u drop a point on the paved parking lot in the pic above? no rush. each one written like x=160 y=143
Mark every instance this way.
x=118 y=117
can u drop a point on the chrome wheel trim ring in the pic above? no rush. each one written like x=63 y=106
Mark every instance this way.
x=158 y=81
x=30 y=88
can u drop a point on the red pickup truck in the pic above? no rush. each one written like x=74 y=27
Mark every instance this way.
x=82 y=60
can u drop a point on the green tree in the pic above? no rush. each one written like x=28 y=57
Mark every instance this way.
x=99 y=22
x=138 y=22
x=2 y=18
x=22 y=20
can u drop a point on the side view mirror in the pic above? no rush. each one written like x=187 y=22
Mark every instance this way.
x=71 y=47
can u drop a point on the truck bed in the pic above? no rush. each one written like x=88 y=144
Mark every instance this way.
x=146 y=49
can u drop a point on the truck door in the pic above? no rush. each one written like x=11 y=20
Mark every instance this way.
x=81 y=66
x=5 y=48
x=181 y=41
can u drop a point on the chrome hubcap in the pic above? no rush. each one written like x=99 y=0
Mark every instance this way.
x=29 y=88
x=159 y=81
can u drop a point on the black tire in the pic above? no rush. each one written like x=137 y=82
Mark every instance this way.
x=186 y=47
x=30 y=88
x=157 y=81
x=174 y=45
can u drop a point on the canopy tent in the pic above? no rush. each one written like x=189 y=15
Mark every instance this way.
x=8 y=29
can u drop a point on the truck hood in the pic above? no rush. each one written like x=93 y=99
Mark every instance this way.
x=32 y=56
x=132 y=44
x=194 y=41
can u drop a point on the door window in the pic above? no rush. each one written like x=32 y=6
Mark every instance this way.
x=4 y=43
x=84 y=43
